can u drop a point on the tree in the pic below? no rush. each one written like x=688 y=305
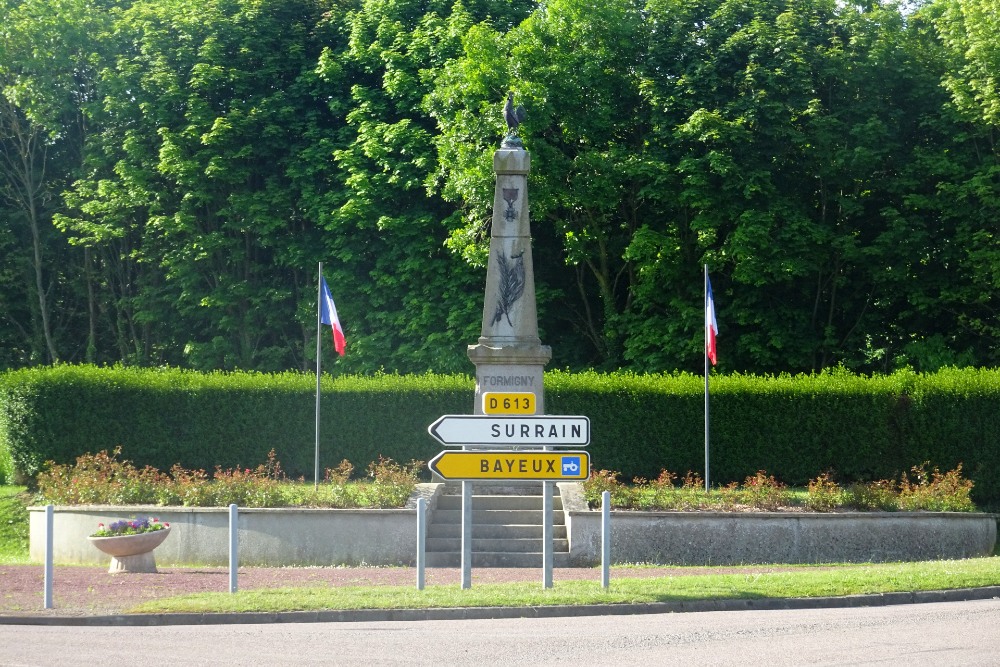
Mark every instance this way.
x=796 y=122
x=971 y=199
x=49 y=55
x=204 y=188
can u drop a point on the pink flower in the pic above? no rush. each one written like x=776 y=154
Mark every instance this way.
x=167 y=524
x=100 y=525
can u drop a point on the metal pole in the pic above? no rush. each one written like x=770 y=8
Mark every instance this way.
x=234 y=547
x=707 y=486
x=49 y=543
x=421 y=541
x=466 y=534
x=547 y=534
x=605 y=539
x=319 y=352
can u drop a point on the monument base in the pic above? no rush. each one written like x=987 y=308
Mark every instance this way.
x=510 y=369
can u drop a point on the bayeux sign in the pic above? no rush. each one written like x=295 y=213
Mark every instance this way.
x=561 y=466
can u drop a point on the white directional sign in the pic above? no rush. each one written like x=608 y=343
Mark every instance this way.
x=494 y=431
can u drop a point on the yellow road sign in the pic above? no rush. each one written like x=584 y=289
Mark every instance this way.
x=552 y=466
x=509 y=403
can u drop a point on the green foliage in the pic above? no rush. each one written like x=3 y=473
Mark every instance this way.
x=854 y=428
x=171 y=173
x=162 y=417
x=799 y=148
x=969 y=29
x=13 y=524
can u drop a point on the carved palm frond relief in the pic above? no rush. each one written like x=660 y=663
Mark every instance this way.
x=511 y=285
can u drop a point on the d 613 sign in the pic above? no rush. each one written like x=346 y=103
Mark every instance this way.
x=509 y=403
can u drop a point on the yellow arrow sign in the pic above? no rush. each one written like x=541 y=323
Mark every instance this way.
x=552 y=466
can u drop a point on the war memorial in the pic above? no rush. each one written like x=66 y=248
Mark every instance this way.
x=506 y=491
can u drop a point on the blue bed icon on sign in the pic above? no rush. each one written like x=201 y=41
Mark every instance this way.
x=571 y=466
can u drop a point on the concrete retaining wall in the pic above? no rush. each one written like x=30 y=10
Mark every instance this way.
x=718 y=538
x=272 y=537
x=294 y=536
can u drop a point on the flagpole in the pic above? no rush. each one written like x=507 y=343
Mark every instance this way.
x=319 y=350
x=705 y=331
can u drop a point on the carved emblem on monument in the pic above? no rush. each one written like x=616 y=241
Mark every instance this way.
x=511 y=285
x=510 y=196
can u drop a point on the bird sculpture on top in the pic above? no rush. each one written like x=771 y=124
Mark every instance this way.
x=514 y=117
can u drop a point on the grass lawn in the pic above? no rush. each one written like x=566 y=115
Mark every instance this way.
x=801 y=582
x=13 y=525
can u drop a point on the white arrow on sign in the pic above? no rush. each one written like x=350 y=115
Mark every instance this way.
x=494 y=431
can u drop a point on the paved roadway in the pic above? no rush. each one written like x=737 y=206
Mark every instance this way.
x=944 y=633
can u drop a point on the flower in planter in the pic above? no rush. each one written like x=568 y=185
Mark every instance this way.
x=130 y=527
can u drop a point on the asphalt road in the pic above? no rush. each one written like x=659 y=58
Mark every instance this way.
x=945 y=633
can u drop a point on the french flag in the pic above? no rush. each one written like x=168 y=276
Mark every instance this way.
x=328 y=315
x=711 y=326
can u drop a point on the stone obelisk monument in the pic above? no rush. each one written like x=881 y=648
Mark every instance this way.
x=509 y=356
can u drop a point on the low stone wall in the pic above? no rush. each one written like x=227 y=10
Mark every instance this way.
x=267 y=537
x=303 y=537
x=728 y=538
x=719 y=538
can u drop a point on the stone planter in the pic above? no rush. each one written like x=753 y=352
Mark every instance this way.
x=131 y=553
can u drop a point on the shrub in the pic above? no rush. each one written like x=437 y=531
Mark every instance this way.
x=881 y=496
x=934 y=491
x=824 y=494
x=606 y=480
x=103 y=479
x=867 y=428
x=762 y=492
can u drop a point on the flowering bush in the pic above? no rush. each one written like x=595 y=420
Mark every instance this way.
x=130 y=527
x=933 y=491
x=102 y=479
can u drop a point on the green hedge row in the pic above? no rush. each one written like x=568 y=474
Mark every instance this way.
x=858 y=428
x=162 y=417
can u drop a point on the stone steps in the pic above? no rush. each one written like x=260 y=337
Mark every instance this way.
x=506 y=529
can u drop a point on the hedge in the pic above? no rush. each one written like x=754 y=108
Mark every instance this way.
x=165 y=416
x=794 y=427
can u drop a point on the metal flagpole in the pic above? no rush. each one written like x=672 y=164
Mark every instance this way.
x=706 y=375
x=319 y=350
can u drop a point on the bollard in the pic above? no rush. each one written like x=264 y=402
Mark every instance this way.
x=421 y=541
x=605 y=539
x=466 y=535
x=547 y=531
x=49 y=544
x=234 y=544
